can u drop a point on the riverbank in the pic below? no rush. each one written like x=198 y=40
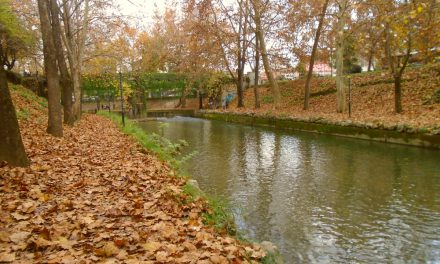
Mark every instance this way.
x=97 y=195
x=394 y=134
x=373 y=115
x=372 y=101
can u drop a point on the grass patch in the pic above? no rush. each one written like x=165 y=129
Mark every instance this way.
x=219 y=214
x=30 y=96
x=271 y=258
x=23 y=114
x=436 y=96
x=165 y=149
x=286 y=92
x=267 y=99
x=321 y=93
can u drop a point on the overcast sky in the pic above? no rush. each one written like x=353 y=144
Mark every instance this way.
x=140 y=9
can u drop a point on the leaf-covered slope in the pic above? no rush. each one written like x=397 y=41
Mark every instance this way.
x=372 y=99
x=96 y=195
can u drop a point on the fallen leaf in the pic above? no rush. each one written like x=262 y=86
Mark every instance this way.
x=19 y=237
x=108 y=250
x=7 y=257
x=161 y=256
x=19 y=217
x=152 y=246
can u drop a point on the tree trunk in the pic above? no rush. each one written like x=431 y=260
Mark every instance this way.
x=340 y=83
x=11 y=144
x=260 y=34
x=76 y=78
x=200 y=100
x=370 y=61
x=395 y=68
x=398 y=93
x=313 y=55
x=75 y=42
x=65 y=80
x=55 y=124
x=144 y=103
x=257 y=71
x=240 y=59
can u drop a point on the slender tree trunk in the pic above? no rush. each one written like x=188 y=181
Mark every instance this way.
x=396 y=69
x=340 y=82
x=200 y=100
x=11 y=144
x=76 y=78
x=370 y=61
x=65 y=80
x=313 y=55
x=144 y=103
x=398 y=93
x=240 y=58
x=244 y=50
x=257 y=71
x=75 y=42
x=184 y=95
x=55 y=124
x=259 y=31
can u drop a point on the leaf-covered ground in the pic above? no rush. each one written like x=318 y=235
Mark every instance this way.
x=372 y=97
x=95 y=196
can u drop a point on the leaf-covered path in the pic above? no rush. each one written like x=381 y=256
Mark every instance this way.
x=97 y=196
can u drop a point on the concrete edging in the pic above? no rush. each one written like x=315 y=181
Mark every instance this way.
x=343 y=129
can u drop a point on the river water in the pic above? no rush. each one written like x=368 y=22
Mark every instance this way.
x=319 y=198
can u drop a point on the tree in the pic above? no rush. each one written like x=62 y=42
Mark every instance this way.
x=76 y=25
x=55 y=125
x=65 y=79
x=340 y=44
x=11 y=144
x=257 y=72
x=257 y=6
x=243 y=44
x=313 y=55
x=398 y=45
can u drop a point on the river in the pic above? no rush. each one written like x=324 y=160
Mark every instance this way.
x=319 y=198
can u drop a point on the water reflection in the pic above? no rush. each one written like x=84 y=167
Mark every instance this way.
x=321 y=199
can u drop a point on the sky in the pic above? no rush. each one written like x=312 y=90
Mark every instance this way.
x=143 y=10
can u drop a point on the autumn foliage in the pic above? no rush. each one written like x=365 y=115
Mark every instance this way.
x=372 y=100
x=97 y=195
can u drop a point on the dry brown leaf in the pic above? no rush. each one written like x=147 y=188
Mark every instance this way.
x=161 y=256
x=19 y=217
x=152 y=246
x=108 y=250
x=7 y=257
x=19 y=237
x=27 y=207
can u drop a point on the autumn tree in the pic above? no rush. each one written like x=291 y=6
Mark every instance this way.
x=399 y=29
x=12 y=38
x=257 y=72
x=258 y=9
x=313 y=55
x=342 y=17
x=76 y=18
x=55 y=125
x=65 y=78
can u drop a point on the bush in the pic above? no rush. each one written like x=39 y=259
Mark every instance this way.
x=354 y=69
x=36 y=85
x=436 y=96
x=13 y=77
